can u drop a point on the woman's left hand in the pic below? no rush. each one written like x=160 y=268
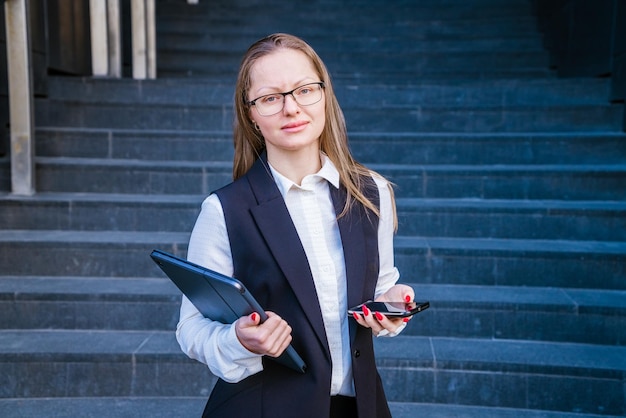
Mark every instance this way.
x=379 y=323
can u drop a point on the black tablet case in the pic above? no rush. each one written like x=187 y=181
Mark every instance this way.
x=218 y=297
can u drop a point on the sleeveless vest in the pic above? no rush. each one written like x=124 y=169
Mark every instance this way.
x=269 y=259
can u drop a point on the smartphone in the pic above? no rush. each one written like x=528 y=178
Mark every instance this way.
x=391 y=309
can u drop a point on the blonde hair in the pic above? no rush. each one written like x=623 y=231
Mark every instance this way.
x=249 y=142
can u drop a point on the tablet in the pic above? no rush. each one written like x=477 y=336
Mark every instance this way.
x=218 y=297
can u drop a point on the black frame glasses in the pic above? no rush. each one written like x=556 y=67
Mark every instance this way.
x=284 y=95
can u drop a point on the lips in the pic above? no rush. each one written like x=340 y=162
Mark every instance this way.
x=294 y=126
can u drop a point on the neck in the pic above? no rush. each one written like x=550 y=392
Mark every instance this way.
x=296 y=166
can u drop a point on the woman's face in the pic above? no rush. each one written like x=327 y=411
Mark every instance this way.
x=295 y=127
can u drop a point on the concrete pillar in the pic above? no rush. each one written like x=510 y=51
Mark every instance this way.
x=106 y=39
x=99 y=38
x=143 y=38
x=114 y=19
x=20 y=97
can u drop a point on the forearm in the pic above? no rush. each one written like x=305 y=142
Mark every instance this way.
x=215 y=344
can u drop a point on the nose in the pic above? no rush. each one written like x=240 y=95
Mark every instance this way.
x=290 y=105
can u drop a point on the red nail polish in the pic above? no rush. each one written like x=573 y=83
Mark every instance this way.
x=253 y=317
x=405 y=320
x=407 y=298
x=366 y=311
x=379 y=316
x=355 y=315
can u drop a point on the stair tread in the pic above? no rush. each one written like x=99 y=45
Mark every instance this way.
x=511 y=355
x=412 y=410
x=573 y=248
x=188 y=406
x=107 y=237
x=407 y=351
x=358 y=105
x=516 y=205
x=121 y=198
x=531 y=298
x=120 y=238
x=104 y=407
x=402 y=203
x=354 y=136
x=147 y=289
x=403 y=241
x=87 y=288
x=227 y=165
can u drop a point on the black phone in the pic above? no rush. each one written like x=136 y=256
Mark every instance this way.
x=391 y=309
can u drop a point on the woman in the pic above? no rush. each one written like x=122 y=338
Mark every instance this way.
x=310 y=233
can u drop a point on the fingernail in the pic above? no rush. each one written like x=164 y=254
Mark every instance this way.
x=379 y=316
x=407 y=298
x=366 y=311
x=405 y=320
x=253 y=317
x=355 y=315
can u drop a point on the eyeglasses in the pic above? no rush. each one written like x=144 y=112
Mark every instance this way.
x=305 y=95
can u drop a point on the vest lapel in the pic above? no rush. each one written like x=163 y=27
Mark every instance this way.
x=354 y=254
x=274 y=222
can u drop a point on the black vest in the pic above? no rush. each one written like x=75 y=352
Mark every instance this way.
x=269 y=259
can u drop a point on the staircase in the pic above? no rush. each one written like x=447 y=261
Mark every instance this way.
x=511 y=202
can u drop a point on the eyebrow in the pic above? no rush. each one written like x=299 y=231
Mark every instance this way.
x=276 y=89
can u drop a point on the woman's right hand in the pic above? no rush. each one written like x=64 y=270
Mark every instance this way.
x=270 y=338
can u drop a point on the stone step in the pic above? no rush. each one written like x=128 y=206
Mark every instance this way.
x=375 y=62
x=520 y=219
x=509 y=262
x=399 y=148
x=551 y=182
x=86 y=253
x=89 y=303
x=412 y=410
x=364 y=77
x=424 y=93
x=100 y=212
x=554 y=118
x=329 y=43
x=184 y=407
x=105 y=407
x=86 y=363
x=463 y=261
x=342 y=16
x=522 y=313
x=514 y=374
x=562 y=182
x=451 y=371
x=460 y=311
x=469 y=218
x=407 y=26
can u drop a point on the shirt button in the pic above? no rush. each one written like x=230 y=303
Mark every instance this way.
x=357 y=353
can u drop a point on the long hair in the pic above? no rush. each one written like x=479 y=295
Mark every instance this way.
x=249 y=142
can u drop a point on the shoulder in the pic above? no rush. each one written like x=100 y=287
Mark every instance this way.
x=233 y=190
x=384 y=188
x=379 y=180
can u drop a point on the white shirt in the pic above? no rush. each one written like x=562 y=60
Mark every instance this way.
x=313 y=214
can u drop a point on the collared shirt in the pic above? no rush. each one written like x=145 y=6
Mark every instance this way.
x=312 y=212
